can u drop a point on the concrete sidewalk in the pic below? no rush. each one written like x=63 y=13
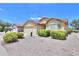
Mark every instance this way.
x=3 y=52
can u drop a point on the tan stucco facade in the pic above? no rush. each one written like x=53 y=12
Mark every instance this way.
x=44 y=23
x=29 y=27
x=54 y=23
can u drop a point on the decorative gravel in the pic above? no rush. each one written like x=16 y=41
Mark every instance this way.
x=44 y=46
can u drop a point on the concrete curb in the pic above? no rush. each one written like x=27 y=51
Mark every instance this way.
x=3 y=52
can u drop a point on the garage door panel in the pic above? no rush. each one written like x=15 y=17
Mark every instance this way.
x=28 y=31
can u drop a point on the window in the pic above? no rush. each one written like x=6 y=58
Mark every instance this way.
x=59 y=26
x=54 y=26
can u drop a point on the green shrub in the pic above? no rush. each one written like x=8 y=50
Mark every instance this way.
x=10 y=37
x=1 y=29
x=69 y=31
x=58 y=34
x=44 y=33
x=20 y=35
x=76 y=31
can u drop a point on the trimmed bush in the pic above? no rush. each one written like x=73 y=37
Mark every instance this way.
x=44 y=33
x=10 y=37
x=58 y=34
x=20 y=35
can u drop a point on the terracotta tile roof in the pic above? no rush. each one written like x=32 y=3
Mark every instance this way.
x=54 y=19
x=45 y=20
x=19 y=25
x=31 y=21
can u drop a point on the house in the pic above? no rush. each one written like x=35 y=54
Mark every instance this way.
x=12 y=28
x=45 y=23
x=16 y=28
x=19 y=27
x=55 y=24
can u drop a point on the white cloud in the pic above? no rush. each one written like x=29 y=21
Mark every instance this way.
x=1 y=9
x=34 y=18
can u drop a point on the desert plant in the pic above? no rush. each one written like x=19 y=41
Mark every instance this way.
x=44 y=33
x=58 y=34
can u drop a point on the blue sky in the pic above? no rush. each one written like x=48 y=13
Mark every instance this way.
x=19 y=13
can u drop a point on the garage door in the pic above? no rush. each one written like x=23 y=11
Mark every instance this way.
x=28 y=31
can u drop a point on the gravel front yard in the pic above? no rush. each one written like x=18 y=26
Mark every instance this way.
x=41 y=46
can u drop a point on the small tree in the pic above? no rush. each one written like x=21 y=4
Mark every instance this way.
x=75 y=23
x=6 y=29
x=4 y=24
x=1 y=29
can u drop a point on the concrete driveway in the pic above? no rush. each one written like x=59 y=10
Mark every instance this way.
x=44 y=46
